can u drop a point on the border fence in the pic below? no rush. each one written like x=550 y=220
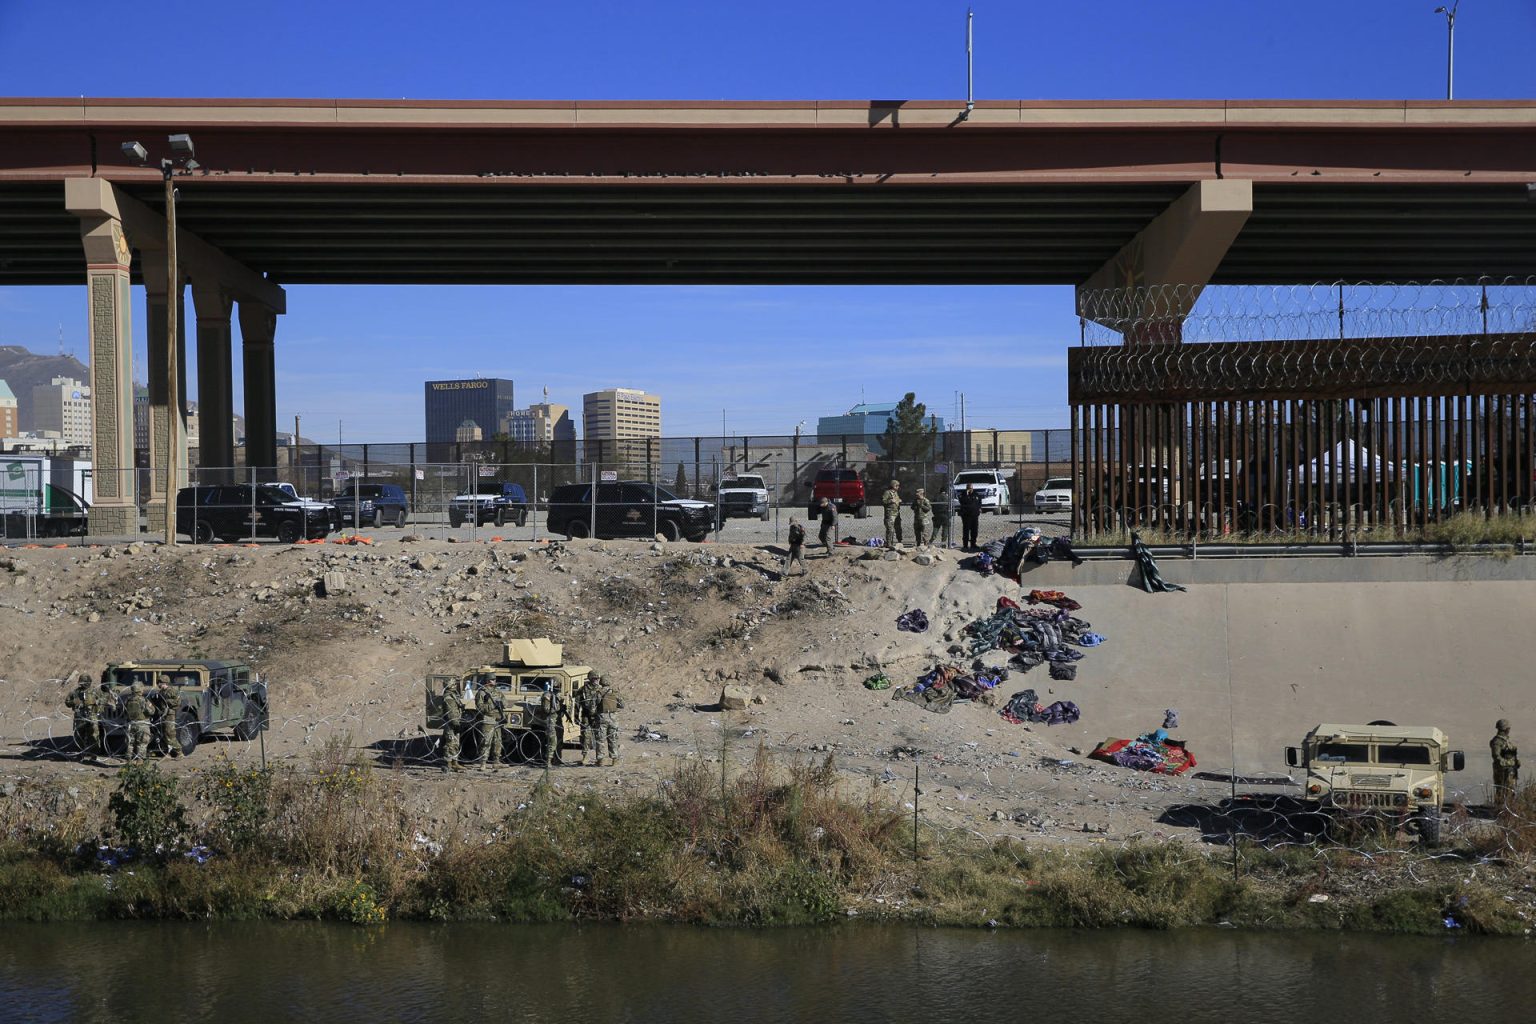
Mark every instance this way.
x=1315 y=412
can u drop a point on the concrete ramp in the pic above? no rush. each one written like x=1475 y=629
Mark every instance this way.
x=1252 y=666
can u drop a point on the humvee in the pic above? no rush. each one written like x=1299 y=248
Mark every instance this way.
x=527 y=666
x=1378 y=769
x=214 y=695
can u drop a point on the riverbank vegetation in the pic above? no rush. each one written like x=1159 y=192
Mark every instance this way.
x=773 y=844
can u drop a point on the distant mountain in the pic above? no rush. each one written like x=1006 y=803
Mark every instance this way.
x=21 y=369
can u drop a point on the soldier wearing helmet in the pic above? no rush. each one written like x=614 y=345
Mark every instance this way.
x=1506 y=762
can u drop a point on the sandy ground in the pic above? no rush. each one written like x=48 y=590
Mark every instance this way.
x=1249 y=666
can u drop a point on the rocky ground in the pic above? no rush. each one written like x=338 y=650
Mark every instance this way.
x=671 y=624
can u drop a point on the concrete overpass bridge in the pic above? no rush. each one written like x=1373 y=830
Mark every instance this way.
x=1093 y=194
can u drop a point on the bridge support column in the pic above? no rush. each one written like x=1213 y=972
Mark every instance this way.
x=1153 y=282
x=114 y=508
x=258 y=324
x=215 y=387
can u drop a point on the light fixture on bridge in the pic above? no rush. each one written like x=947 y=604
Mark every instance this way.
x=182 y=146
x=135 y=151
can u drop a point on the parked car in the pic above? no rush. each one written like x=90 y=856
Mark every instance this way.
x=844 y=487
x=991 y=484
x=744 y=495
x=492 y=502
x=377 y=505
x=628 y=509
x=232 y=512
x=1055 y=495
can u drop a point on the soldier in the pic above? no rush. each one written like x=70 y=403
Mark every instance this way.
x=922 y=519
x=82 y=700
x=492 y=716
x=796 y=548
x=453 y=717
x=609 y=704
x=136 y=712
x=1506 y=762
x=828 y=534
x=588 y=699
x=552 y=707
x=892 y=503
x=168 y=698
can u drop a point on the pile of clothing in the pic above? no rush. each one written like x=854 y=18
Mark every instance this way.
x=1025 y=706
x=913 y=621
x=1053 y=597
x=1150 y=752
x=1034 y=636
x=939 y=689
x=1027 y=545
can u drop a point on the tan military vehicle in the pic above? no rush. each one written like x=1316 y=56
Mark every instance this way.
x=213 y=695
x=1381 y=769
x=527 y=668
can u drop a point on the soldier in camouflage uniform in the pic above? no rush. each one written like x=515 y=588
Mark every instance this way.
x=609 y=704
x=1506 y=762
x=136 y=712
x=85 y=701
x=453 y=717
x=168 y=698
x=892 y=503
x=491 y=710
x=588 y=699
x=922 y=519
x=552 y=708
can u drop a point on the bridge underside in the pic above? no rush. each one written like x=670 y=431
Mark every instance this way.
x=492 y=232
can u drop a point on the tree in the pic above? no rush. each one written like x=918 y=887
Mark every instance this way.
x=680 y=485
x=909 y=445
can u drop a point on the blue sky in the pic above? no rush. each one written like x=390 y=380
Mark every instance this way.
x=771 y=356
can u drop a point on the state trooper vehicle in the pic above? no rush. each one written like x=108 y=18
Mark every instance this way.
x=528 y=667
x=212 y=695
x=1378 y=770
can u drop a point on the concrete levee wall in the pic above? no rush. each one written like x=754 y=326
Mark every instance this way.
x=1251 y=666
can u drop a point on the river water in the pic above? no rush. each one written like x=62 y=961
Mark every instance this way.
x=124 y=972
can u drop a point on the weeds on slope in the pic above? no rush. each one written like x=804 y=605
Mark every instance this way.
x=775 y=843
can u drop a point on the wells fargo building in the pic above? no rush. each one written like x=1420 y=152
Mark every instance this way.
x=482 y=400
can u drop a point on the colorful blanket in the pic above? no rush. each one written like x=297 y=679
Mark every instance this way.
x=1143 y=754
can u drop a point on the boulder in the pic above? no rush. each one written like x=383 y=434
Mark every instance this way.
x=333 y=584
x=425 y=560
x=735 y=698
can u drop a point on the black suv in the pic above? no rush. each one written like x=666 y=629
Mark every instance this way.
x=379 y=505
x=231 y=512
x=628 y=509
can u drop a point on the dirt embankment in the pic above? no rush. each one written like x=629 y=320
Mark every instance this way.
x=1248 y=666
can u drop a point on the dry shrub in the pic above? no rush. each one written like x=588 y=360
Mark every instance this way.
x=1468 y=529
x=341 y=817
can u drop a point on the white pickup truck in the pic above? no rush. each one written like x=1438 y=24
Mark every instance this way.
x=745 y=495
x=991 y=484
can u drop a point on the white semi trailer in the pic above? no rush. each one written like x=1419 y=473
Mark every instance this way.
x=43 y=496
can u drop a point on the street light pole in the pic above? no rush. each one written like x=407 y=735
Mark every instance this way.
x=1450 y=47
x=172 y=375
x=181 y=152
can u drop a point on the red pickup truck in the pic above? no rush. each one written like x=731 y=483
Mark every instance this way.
x=845 y=489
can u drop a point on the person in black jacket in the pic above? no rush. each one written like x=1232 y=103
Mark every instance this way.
x=969 y=506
